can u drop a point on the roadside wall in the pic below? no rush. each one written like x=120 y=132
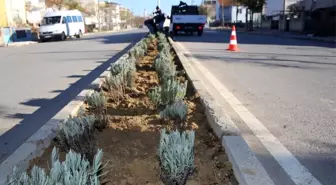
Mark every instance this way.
x=296 y=25
x=266 y=24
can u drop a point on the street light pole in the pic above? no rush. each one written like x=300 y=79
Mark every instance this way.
x=158 y=3
x=223 y=13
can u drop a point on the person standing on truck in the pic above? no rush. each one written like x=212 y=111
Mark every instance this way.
x=159 y=18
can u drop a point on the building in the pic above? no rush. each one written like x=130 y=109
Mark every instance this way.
x=3 y=14
x=275 y=8
x=15 y=11
x=210 y=5
x=320 y=17
x=108 y=15
x=312 y=5
x=232 y=14
x=35 y=10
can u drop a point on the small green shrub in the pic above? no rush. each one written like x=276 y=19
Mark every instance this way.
x=152 y=37
x=77 y=134
x=101 y=122
x=139 y=50
x=168 y=92
x=81 y=111
x=164 y=66
x=155 y=95
x=75 y=170
x=116 y=68
x=164 y=46
x=97 y=101
x=162 y=37
x=178 y=110
x=176 y=154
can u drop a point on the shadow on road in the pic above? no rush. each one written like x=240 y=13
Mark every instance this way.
x=248 y=38
x=124 y=37
x=17 y=135
x=268 y=62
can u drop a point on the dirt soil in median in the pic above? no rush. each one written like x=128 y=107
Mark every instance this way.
x=131 y=140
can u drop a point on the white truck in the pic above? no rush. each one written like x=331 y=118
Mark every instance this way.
x=186 y=19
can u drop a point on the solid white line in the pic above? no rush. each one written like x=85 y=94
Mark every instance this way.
x=299 y=174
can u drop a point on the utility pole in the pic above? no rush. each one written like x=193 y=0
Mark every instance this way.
x=223 y=13
x=158 y=3
x=99 y=17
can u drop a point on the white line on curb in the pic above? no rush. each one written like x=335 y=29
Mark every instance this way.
x=299 y=174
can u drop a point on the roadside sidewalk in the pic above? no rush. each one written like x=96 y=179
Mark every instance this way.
x=19 y=44
x=283 y=34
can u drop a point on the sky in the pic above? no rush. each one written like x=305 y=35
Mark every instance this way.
x=138 y=6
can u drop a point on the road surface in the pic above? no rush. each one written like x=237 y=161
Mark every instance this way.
x=39 y=80
x=289 y=86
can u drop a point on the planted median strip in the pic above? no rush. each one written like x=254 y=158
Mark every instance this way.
x=145 y=125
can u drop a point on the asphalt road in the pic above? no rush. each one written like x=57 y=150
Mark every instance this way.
x=289 y=85
x=39 y=80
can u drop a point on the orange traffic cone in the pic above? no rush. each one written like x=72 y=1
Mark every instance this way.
x=233 y=40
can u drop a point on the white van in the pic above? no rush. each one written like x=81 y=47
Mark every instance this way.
x=62 y=24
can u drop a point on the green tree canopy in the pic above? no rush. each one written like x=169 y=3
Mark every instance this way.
x=253 y=5
x=203 y=10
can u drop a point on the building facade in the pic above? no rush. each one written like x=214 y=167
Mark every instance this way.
x=320 y=17
x=16 y=12
x=277 y=7
x=108 y=16
x=211 y=8
x=3 y=14
x=232 y=14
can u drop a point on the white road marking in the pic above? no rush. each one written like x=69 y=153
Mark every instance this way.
x=299 y=174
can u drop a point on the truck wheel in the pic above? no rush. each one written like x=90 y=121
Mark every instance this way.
x=200 y=33
x=63 y=37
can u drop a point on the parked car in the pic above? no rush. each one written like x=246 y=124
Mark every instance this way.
x=61 y=24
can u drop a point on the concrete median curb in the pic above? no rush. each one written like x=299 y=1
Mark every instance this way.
x=247 y=168
x=38 y=142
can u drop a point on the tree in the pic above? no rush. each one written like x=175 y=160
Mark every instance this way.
x=203 y=10
x=69 y=4
x=72 y=5
x=253 y=6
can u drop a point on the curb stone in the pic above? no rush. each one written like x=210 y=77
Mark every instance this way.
x=218 y=120
x=38 y=142
x=19 y=44
x=246 y=167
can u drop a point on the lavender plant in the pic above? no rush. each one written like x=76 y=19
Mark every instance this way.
x=168 y=92
x=178 y=110
x=77 y=134
x=176 y=155
x=165 y=66
x=97 y=101
x=74 y=170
